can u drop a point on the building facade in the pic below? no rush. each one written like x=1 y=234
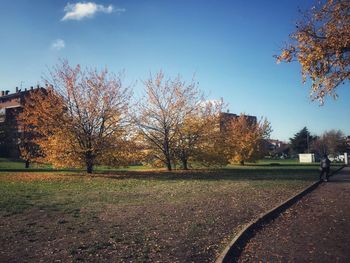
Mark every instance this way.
x=226 y=118
x=11 y=105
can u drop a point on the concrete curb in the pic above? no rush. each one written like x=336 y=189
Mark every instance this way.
x=233 y=250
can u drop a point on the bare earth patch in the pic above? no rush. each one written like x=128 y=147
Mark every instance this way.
x=62 y=218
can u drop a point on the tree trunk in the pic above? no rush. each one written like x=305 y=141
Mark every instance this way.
x=184 y=164
x=168 y=164
x=89 y=161
x=27 y=164
x=241 y=162
x=89 y=168
x=167 y=153
x=168 y=161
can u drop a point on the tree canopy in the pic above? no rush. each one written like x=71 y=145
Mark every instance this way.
x=169 y=119
x=301 y=141
x=244 y=139
x=80 y=119
x=330 y=142
x=197 y=133
x=83 y=119
x=321 y=44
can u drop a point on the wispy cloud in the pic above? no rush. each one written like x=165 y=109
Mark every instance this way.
x=58 y=44
x=81 y=10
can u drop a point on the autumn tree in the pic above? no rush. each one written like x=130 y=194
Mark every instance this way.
x=168 y=106
x=301 y=141
x=28 y=148
x=197 y=134
x=321 y=44
x=330 y=142
x=244 y=138
x=81 y=119
x=211 y=151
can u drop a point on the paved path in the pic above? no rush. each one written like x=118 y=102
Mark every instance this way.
x=315 y=229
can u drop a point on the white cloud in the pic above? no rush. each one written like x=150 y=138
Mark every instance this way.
x=58 y=44
x=81 y=10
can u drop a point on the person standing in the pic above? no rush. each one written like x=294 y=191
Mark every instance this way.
x=325 y=167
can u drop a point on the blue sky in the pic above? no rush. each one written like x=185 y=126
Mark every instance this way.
x=228 y=45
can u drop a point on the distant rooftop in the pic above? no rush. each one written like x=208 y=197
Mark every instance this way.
x=5 y=94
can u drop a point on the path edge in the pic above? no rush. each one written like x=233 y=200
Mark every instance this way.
x=233 y=250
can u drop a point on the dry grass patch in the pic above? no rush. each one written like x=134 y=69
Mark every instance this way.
x=135 y=216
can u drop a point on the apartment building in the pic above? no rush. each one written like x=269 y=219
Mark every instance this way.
x=11 y=104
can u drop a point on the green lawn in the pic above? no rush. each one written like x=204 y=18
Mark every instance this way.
x=8 y=165
x=137 y=216
x=17 y=165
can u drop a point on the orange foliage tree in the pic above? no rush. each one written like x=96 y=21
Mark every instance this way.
x=28 y=148
x=244 y=139
x=321 y=44
x=81 y=119
x=167 y=119
x=198 y=134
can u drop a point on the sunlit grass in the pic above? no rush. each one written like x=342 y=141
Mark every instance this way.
x=135 y=210
x=267 y=164
x=22 y=190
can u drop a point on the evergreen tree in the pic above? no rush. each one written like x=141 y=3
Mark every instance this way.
x=301 y=141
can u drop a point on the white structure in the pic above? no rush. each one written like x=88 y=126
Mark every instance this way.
x=306 y=157
x=346 y=158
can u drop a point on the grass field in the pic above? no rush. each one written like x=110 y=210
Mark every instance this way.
x=11 y=165
x=19 y=166
x=136 y=216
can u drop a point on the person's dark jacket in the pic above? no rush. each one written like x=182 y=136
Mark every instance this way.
x=325 y=162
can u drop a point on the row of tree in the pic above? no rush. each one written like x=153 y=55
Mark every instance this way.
x=86 y=118
x=332 y=142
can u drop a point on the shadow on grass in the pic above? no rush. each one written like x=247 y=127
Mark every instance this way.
x=38 y=170
x=217 y=174
x=305 y=172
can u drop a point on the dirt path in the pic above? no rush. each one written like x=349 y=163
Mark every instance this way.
x=315 y=229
